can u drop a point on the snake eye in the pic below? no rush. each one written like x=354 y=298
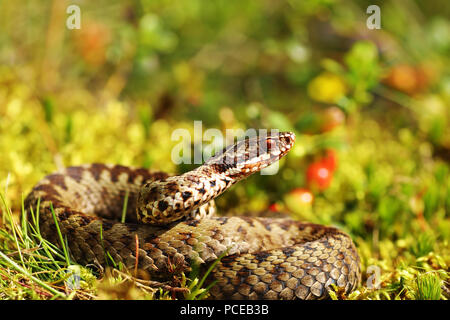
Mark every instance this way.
x=286 y=140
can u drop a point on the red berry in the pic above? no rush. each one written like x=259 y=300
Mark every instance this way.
x=319 y=175
x=274 y=207
x=330 y=159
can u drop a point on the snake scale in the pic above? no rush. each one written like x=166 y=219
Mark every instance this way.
x=170 y=224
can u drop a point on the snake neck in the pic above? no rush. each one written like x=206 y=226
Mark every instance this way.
x=173 y=198
x=167 y=200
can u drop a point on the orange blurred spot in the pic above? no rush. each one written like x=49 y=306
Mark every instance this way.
x=304 y=195
x=91 y=42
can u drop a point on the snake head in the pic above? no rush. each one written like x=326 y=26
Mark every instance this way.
x=252 y=154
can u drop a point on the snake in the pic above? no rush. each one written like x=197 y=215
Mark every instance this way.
x=115 y=215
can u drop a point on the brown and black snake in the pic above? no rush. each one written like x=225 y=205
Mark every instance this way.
x=170 y=224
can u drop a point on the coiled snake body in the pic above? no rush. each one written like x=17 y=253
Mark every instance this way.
x=170 y=225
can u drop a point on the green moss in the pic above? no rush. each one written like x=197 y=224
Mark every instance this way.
x=428 y=287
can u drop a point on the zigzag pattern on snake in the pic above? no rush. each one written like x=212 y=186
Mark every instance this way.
x=173 y=219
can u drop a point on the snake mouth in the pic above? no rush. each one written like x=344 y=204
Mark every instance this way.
x=252 y=154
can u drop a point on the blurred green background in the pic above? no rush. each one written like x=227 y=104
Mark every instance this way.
x=370 y=108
